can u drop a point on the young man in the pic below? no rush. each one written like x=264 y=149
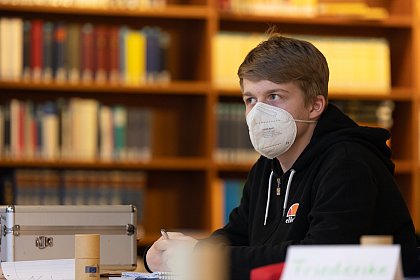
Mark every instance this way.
x=321 y=179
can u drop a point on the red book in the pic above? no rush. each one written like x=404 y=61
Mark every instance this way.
x=37 y=56
x=87 y=64
x=22 y=117
x=101 y=53
x=114 y=54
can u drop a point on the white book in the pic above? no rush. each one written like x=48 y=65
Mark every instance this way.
x=4 y=48
x=84 y=128
x=50 y=136
x=16 y=44
x=106 y=133
x=14 y=127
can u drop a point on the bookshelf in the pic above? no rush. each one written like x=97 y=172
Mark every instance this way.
x=182 y=169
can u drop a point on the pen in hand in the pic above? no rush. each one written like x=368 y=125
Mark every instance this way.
x=164 y=233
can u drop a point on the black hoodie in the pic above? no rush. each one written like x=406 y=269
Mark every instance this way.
x=340 y=188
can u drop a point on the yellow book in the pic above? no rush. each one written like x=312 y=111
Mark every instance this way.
x=135 y=59
x=217 y=58
x=303 y=7
x=343 y=8
x=382 y=64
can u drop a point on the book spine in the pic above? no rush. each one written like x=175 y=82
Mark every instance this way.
x=26 y=74
x=36 y=50
x=48 y=39
x=101 y=53
x=114 y=56
x=73 y=53
x=59 y=66
x=87 y=53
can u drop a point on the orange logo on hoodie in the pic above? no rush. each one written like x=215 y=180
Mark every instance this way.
x=291 y=213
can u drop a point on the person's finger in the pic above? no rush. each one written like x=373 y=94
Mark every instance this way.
x=175 y=234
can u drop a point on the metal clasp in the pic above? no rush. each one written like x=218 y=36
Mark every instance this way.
x=15 y=230
x=43 y=241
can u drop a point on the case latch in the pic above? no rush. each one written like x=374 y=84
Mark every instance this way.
x=14 y=230
x=43 y=241
x=131 y=229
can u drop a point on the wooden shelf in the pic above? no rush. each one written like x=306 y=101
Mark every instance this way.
x=170 y=12
x=391 y=22
x=176 y=87
x=181 y=163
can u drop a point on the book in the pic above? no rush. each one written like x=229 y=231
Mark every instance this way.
x=106 y=133
x=119 y=131
x=26 y=74
x=49 y=122
x=59 y=56
x=152 y=53
x=114 y=55
x=37 y=51
x=48 y=51
x=84 y=121
x=73 y=52
x=87 y=53
x=135 y=50
x=101 y=53
x=16 y=43
x=5 y=48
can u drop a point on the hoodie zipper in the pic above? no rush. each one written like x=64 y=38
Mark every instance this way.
x=278 y=189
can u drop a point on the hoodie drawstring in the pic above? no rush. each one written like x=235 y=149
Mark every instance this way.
x=268 y=197
x=286 y=197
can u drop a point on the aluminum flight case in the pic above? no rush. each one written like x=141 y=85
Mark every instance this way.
x=47 y=232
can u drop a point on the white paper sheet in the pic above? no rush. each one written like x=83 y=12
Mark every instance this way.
x=60 y=269
x=343 y=262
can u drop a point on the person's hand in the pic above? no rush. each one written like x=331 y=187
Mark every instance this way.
x=169 y=254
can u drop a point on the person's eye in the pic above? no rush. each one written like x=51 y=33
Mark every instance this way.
x=273 y=97
x=250 y=100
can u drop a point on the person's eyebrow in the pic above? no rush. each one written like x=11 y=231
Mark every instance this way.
x=247 y=93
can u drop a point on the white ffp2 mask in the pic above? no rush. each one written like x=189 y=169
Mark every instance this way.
x=272 y=130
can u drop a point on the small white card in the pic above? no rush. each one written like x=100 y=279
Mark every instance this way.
x=343 y=262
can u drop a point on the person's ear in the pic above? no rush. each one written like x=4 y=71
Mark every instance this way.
x=318 y=106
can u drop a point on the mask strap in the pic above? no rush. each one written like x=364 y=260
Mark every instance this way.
x=305 y=121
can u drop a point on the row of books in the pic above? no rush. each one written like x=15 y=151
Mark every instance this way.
x=356 y=8
x=75 y=129
x=233 y=143
x=367 y=112
x=73 y=187
x=98 y=4
x=45 y=51
x=226 y=195
x=357 y=65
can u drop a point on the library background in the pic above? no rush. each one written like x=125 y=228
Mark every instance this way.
x=137 y=101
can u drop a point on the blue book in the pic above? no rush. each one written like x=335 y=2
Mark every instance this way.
x=152 y=53
x=48 y=39
x=26 y=50
x=59 y=43
x=232 y=191
x=122 y=53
